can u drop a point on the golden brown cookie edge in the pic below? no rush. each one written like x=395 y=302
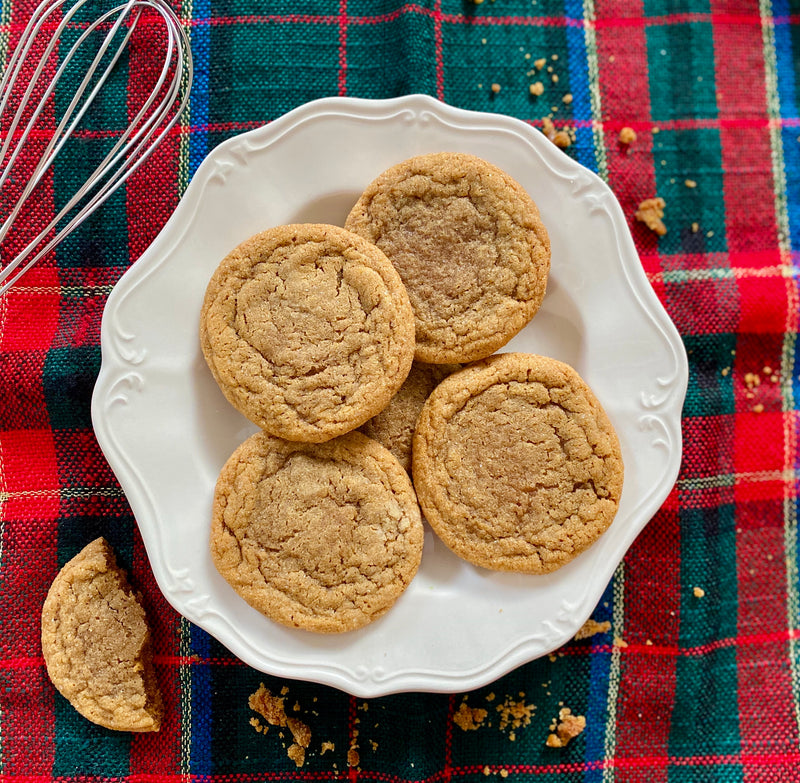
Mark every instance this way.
x=271 y=605
x=403 y=333
x=430 y=492
x=97 y=557
x=482 y=348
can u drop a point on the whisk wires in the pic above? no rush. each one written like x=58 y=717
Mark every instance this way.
x=38 y=45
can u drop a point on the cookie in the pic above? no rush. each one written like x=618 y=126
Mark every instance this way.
x=96 y=643
x=516 y=465
x=308 y=331
x=469 y=245
x=323 y=537
x=394 y=426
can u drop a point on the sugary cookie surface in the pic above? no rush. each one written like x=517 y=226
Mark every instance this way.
x=323 y=537
x=516 y=465
x=470 y=248
x=96 y=643
x=307 y=330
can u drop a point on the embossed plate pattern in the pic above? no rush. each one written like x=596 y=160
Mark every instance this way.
x=166 y=429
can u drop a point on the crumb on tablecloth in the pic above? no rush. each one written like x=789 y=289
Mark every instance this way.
x=591 y=628
x=559 y=137
x=650 y=212
x=515 y=714
x=566 y=728
x=273 y=710
x=469 y=718
x=627 y=135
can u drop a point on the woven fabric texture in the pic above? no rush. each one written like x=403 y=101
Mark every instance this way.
x=683 y=685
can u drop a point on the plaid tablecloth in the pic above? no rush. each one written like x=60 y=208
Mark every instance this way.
x=682 y=685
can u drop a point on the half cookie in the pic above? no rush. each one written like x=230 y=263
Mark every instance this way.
x=308 y=330
x=323 y=537
x=96 y=643
x=470 y=248
x=516 y=465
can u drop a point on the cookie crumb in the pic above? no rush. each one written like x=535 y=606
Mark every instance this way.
x=698 y=592
x=695 y=227
x=758 y=408
x=469 y=718
x=270 y=707
x=627 y=135
x=569 y=726
x=487 y=771
x=567 y=98
x=592 y=627
x=690 y=183
x=297 y=754
x=752 y=380
x=496 y=88
x=540 y=63
x=300 y=732
x=537 y=88
x=620 y=642
x=353 y=759
x=273 y=710
x=515 y=714
x=326 y=746
x=559 y=137
x=650 y=212
x=562 y=140
x=503 y=773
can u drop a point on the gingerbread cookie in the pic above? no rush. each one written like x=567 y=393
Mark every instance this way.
x=516 y=465
x=323 y=537
x=394 y=426
x=96 y=643
x=469 y=245
x=308 y=330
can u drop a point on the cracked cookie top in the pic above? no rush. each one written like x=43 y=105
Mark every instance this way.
x=516 y=465
x=470 y=248
x=323 y=537
x=308 y=330
x=96 y=643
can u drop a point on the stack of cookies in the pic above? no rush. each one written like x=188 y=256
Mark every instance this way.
x=364 y=355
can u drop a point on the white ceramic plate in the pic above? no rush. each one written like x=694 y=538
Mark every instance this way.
x=166 y=429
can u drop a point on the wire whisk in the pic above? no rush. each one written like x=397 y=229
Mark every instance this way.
x=28 y=87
